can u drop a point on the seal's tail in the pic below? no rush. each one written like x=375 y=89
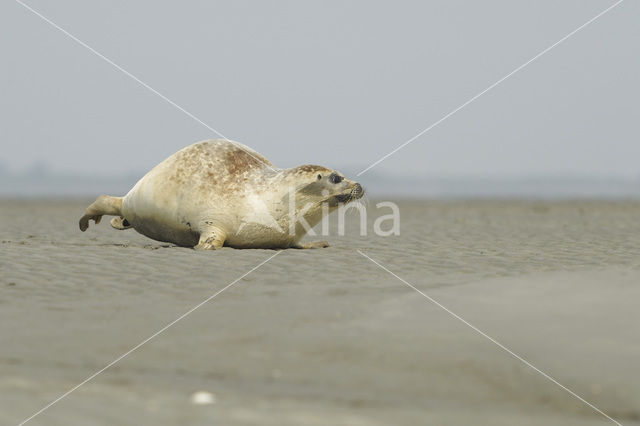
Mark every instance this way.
x=103 y=205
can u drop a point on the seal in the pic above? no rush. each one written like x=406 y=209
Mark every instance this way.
x=219 y=193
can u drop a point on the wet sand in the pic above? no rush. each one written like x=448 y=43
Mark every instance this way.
x=325 y=337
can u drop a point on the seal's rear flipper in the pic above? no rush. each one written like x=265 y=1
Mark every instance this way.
x=105 y=204
x=120 y=223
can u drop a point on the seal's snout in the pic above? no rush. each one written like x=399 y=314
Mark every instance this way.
x=357 y=191
x=352 y=192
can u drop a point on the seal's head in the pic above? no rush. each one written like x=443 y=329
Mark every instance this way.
x=322 y=185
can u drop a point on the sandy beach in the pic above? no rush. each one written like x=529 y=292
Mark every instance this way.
x=326 y=337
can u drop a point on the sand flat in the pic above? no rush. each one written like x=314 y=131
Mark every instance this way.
x=322 y=337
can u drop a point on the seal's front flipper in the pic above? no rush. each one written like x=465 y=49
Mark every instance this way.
x=105 y=204
x=120 y=223
x=211 y=238
x=312 y=245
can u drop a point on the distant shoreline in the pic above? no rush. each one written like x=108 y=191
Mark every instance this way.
x=378 y=186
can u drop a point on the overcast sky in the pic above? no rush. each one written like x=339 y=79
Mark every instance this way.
x=336 y=83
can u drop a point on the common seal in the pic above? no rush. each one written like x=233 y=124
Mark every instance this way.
x=221 y=193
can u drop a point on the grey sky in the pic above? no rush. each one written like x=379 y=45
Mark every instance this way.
x=333 y=83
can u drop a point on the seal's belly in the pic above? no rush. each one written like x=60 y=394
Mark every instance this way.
x=163 y=231
x=158 y=221
x=259 y=236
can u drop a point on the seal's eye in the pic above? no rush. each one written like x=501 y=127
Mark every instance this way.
x=319 y=177
x=334 y=178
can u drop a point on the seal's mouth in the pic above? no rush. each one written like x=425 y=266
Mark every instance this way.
x=357 y=191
